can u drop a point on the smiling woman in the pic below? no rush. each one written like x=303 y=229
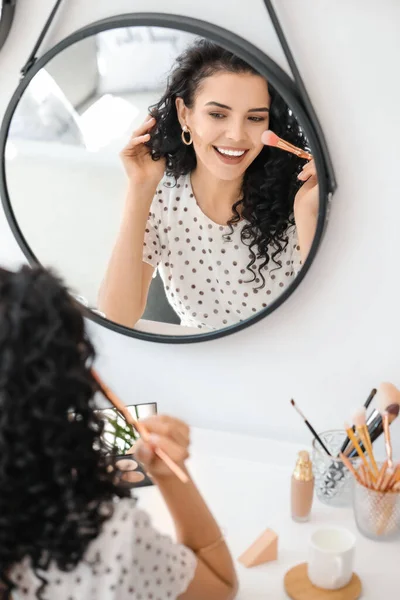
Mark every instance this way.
x=208 y=205
x=234 y=154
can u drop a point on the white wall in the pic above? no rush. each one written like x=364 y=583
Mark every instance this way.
x=80 y=189
x=337 y=336
x=75 y=71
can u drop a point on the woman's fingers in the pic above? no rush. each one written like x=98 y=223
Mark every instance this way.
x=308 y=171
x=165 y=433
x=136 y=141
x=168 y=427
x=139 y=136
x=145 y=452
x=144 y=128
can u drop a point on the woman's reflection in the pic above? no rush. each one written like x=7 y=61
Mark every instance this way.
x=221 y=216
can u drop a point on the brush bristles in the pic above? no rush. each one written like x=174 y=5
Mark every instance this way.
x=393 y=410
x=270 y=138
x=292 y=402
x=387 y=394
x=382 y=479
x=359 y=417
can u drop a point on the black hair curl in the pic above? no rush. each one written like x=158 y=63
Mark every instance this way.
x=56 y=491
x=270 y=182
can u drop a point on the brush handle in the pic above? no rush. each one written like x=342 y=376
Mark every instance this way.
x=283 y=145
x=366 y=405
x=140 y=428
x=375 y=429
x=337 y=470
x=372 y=419
x=388 y=442
x=316 y=436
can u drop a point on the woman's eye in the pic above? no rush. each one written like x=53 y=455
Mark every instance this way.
x=257 y=119
x=217 y=115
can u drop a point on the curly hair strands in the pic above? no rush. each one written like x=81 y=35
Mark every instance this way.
x=56 y=491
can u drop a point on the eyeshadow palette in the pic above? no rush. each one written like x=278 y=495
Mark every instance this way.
x=119 y=438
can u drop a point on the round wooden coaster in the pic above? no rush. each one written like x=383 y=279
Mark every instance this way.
x=299 y=587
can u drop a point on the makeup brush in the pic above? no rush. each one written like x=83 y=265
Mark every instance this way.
x=375 y=429
x=310 y=427
x=356 y=445
x=388 y=443
x=366 y=405
x=269 y=138
x=388 y=397
x=122 y=409
x=389 y=475
x=363 y=434
x=350 y=467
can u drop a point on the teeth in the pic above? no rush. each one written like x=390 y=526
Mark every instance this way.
x=231 y=152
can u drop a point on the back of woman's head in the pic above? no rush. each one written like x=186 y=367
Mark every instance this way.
x=54 y=483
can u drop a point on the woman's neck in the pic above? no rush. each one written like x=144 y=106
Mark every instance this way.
x=215 y=196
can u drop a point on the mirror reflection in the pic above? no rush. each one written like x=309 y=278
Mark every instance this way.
x=139 y=164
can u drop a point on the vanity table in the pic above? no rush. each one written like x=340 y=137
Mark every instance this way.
x=246 y=481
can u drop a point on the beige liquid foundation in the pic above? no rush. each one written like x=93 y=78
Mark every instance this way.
x=302 y=488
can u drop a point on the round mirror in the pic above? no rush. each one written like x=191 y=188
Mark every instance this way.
x=169 y=173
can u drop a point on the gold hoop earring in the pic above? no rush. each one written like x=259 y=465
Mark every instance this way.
x=185 y=130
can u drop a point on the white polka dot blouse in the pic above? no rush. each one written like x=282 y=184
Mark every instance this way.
x=203 y=265
x=129 y=560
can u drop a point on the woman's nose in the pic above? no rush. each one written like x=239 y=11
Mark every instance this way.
x=236 y=131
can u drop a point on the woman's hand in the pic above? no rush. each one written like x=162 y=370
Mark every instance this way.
x=307 y=198
x=168 y=434
x=306 y=205
x=136 y=157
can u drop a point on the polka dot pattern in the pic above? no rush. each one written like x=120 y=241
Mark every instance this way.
x=129 y=560
x=209 y=262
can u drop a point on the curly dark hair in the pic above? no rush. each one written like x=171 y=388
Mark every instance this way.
x=270 y=182
x=56 y=491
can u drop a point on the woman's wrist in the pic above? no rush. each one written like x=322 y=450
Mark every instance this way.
x=168 y=476
x=138 y=199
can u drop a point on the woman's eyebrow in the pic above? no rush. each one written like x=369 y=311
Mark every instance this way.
x=262 y=109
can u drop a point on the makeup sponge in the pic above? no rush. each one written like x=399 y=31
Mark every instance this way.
x=264 y=549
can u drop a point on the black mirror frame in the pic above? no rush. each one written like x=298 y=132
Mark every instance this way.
x=266 y=67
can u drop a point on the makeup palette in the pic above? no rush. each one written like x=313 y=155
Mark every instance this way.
x=119 y=439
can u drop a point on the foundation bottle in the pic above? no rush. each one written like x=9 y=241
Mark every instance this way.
x=302 y=488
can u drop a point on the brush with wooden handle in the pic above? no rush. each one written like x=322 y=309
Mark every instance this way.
x=141 y=429
x=388 y=399
x=269 y=138
x=363 y=433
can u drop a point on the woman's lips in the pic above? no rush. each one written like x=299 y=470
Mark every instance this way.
x=230 y=160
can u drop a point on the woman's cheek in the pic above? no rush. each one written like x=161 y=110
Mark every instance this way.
x=208 y=133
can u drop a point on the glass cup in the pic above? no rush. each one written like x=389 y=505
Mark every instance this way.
x=377 y=514
x=333 y=481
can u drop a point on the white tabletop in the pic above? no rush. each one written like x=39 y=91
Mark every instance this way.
x=246 y=482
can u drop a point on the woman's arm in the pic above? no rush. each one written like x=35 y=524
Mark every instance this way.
x=196 y=528
x=123 y=293
x=306 y=209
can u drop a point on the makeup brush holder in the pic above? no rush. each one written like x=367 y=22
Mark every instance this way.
x=377 y=514
x=333 y=481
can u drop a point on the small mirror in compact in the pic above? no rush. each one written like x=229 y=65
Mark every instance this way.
x=189 y=224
